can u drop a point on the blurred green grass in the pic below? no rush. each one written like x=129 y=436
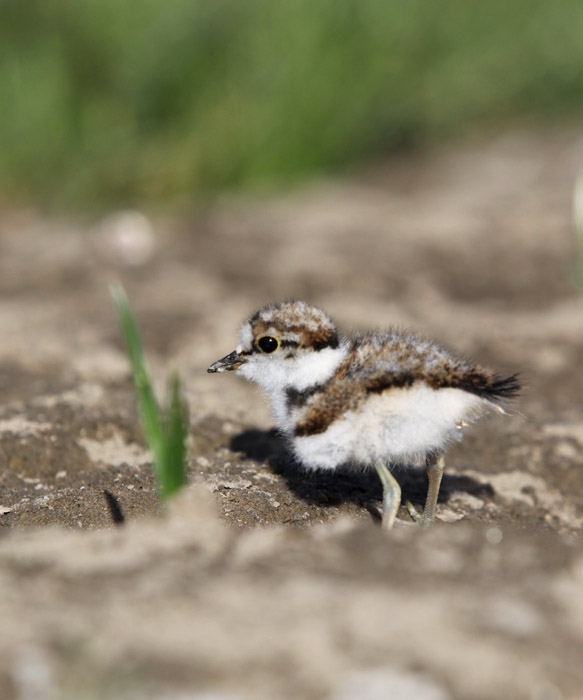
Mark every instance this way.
x=109 y=101
x=165 y=429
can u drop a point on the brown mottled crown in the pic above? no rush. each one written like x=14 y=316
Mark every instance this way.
x=297 y=324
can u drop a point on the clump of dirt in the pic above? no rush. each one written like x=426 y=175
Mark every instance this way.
x=263 y=580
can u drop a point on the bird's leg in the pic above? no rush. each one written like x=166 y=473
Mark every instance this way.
x=435 y=469
x=391 y=494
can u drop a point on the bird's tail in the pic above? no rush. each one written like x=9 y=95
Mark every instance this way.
x=494 y=387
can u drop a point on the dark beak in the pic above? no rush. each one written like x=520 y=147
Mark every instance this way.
x=227 y=363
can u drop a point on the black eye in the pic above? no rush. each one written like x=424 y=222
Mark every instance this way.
x=267 y=344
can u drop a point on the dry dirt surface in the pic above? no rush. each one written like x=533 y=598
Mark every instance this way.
x=261 y=581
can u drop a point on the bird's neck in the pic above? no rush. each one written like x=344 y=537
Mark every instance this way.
x=308 y=371
x=314 y=368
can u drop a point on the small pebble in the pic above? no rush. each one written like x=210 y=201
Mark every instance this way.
x=494 y=535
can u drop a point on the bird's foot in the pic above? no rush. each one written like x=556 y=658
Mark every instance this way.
x=424 y=519
x=387 y=523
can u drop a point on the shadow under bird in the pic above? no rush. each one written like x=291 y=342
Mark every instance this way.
x=370 y=400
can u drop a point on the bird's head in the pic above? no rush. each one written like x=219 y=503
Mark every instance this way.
x=292 y=344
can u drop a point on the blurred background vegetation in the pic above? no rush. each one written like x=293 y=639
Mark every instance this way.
x=128 y=101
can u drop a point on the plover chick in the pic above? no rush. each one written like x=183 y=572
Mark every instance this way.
x=371 y=400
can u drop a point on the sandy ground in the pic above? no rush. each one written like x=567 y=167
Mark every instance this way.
x=262 y=581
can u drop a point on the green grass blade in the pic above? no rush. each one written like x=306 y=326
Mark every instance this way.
x=175 y=434
x=148 y=406
x=166 y=431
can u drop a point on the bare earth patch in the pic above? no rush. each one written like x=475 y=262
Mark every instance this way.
x=262 y=581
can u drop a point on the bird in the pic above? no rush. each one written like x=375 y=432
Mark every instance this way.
x=367 y=400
